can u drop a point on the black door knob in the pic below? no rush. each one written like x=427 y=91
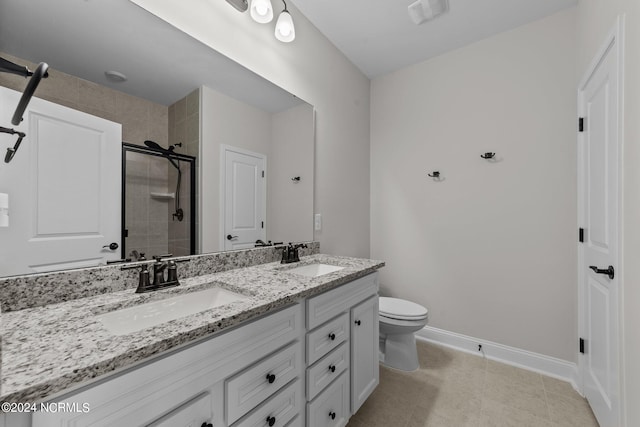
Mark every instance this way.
x=357 y=322
x=112 y=246
x=332 y=415
x=271 y=378
x=230 y=237
x=608 y=271
x=271 y=421
x=332 y=336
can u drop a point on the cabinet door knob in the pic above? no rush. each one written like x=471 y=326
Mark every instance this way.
x=271 y=421
x=271 y=378
x=358 y=322
x=332 y=415
x=332 y=368
x=332 y=336
x=206 y=424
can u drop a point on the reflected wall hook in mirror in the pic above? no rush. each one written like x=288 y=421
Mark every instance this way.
x=488 y=155
x=295 y=179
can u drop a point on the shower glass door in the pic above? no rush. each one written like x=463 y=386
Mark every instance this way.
x=158 y=202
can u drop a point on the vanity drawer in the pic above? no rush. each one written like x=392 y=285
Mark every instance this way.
x=326 y=338
x=284 y=406
x=329 y=304
x=196 y=412
x=249 y=388
x=296 y=422
x=326 y=370
x=331 y=407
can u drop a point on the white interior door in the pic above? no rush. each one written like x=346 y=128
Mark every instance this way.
x=599 y=185
x=64 y=189
x=243 y=198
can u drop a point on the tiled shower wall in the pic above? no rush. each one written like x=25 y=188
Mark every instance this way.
x=184 y=127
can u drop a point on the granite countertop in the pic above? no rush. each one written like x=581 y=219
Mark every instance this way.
x=51 y=349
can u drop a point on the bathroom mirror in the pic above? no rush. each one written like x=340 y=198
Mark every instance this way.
x=173 y=100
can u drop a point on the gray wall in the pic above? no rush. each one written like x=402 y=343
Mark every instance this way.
x=490 y=250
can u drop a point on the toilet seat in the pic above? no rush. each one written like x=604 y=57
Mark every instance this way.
x=399 y=309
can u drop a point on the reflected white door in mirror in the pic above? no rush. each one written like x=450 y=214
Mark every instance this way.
x=243 y=201
x=64 y=190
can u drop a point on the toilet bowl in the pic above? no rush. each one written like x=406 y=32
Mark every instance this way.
x=399 y=320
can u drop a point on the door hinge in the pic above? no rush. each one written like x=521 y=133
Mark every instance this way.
x=126 y=232
x=581 y=345
x=581 y=124
x=263 y=174
x=262 y=224
x=581 y=235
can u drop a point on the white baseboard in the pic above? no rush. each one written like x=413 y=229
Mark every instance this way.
x=545 y=365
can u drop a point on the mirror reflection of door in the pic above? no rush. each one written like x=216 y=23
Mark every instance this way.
x=64 y=200
x=243 y=201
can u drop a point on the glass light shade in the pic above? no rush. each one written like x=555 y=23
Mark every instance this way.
x=261 y=11
x=285 y=31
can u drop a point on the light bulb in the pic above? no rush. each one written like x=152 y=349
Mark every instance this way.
x=261 y=11
x=285 y=31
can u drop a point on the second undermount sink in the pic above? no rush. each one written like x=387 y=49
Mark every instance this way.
x=315 y=270
x=139 y=317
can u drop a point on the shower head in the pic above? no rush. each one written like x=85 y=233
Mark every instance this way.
x=155 y=146
x=38 y=74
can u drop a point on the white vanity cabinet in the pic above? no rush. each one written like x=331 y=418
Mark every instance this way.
x=311 y=364
x=238 y=361
x=342 y=351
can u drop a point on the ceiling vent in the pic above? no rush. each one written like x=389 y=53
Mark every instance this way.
x=426 y=10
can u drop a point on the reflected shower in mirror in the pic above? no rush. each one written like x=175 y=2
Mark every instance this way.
x=174 y=91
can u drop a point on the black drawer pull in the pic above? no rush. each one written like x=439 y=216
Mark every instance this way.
x=271 y=421
x=357 y=322
x=332 y=415
x=332 y=336
x=332 y=368
x=271 y=378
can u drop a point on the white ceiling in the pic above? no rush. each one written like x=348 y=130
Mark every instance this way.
x=163 y=64
x=379 y=37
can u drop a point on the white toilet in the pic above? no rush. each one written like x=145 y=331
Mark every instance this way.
x=399 y=320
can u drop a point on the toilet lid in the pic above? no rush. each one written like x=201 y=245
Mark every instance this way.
x=396 y=308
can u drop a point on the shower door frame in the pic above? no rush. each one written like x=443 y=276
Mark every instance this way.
x=126 y=147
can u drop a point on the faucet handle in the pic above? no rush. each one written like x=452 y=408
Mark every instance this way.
x=143 y=282
x=172 y=272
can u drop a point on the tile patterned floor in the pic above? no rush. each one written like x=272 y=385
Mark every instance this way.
x=456 y=389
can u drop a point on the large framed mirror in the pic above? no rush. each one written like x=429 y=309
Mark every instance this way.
x=133 y=107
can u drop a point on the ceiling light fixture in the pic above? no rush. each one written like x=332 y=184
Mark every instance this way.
x=115 y=76
x=426 y=10
x=285 y=31
x=261 y=11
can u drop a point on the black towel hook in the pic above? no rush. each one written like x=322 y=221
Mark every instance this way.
x=488 y=155
x=434 y=174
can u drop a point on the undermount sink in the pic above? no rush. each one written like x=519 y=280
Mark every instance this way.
x=132 y=319
x=315 y=270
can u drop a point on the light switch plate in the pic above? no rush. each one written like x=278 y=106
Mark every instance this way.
x=317 y=222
